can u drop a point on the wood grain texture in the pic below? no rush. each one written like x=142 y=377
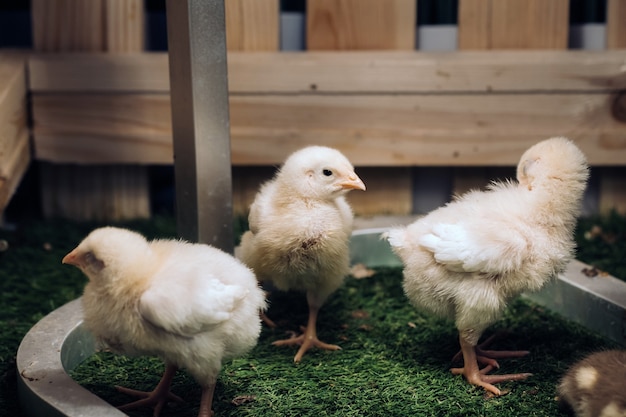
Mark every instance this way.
x=91 y=26
x=513 y=24
x=373 y=130
x=252 y=25
x=15 y=150
x=124 y=25
x=381 y=72
x=360 y=24
x=68 y=25
x=616 y=24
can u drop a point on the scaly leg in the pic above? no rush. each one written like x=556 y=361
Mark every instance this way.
x=488 y=357
x=206 y=401
x=157 y=398
x=475 y=376
x=308 y=338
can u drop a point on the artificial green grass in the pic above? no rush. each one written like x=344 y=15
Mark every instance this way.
x=394 y=359
x=602 y=243
x=394 y=362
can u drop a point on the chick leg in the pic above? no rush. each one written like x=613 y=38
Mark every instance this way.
x=308 y=338
x=157 y=398
x=475 y=376
x=488 y=357
x=206 y=401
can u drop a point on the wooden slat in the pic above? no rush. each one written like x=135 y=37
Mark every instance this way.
x=513 y=24
x=345 y=72
x=373 y=130
x=616 y=24
x=252 y=25
x=105 y=195
x=388 y=191
x=15 y=151
x=612 y=180
x=125 y=30
x=361 y=24
x=474 y=28
x=13 y=167
x=67 y=25
x=91 y=26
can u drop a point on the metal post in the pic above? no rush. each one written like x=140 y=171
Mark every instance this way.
x=200 y=121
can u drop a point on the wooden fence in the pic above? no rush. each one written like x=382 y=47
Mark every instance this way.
x=360 y=87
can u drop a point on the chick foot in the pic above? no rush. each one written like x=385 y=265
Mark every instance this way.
x=476 y=376
x=157 y=398
x=307 y=339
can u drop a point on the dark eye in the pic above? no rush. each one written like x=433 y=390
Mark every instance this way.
x=327 y=172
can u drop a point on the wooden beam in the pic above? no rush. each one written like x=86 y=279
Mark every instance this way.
x=513 y=24
x=383 y=130
x=345 y=72
x=15 y=151
x=125 y=28
x=252 y=25
x=68 y=25
x=361 y=24
x=615 y=26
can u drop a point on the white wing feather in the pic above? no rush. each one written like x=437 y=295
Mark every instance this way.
x=462 y=249
x=199 y=305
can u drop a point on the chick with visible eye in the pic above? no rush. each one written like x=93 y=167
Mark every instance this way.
x=300 y=226
x=191 y=305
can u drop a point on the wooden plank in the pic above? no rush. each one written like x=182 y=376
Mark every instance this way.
x=374 y=130
x=15 y=151
x=108 y=192
x=361 y=24
x=530 y=24
x=389 y=191
x=252 y=25
x=474 y=24
x=615 y=24
x=112 y=192
x=612 y=181
x=513 y=24
x=124 y=27
x=13 y=110
x=13 y=168
x=67 y=25
x=345 y=72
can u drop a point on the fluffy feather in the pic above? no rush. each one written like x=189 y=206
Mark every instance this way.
x=192 y=305
x=300 y=225
x=594 y=386
x=466 y=260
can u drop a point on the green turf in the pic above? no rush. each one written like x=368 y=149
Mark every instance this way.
x=394 y=360
x=602 y=243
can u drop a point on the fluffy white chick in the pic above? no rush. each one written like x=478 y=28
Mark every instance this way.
x=594 y=386
x=191 y=305
x=466 y=260
x=300 y=226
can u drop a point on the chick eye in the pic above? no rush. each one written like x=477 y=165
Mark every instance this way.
x=327 y=172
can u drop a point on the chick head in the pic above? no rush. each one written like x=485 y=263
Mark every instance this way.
x=109 y=252
x=320 y=172
x=553 y=161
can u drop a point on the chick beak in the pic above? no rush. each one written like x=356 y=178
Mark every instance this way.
x=353 y=182
x=71 y=258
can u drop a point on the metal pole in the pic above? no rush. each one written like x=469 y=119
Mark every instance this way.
x=196 y=35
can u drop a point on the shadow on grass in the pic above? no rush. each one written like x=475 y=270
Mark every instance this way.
x=394 y=362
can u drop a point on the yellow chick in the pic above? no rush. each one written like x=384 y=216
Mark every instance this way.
x=468 y=259
x=191 y=305
x=300 y=226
